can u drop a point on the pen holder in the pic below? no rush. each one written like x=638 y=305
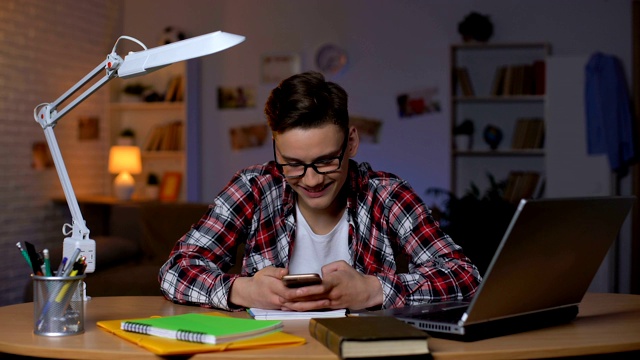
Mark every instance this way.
x=58 y=305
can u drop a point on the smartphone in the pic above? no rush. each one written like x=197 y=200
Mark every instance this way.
x=300 y=280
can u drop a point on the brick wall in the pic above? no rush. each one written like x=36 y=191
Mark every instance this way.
x=45 y=48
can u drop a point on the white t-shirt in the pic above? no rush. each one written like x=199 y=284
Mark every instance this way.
x=311 y=251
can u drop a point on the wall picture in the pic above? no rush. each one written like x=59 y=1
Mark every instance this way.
x=170 y=186
x=243 y=137
x=41 y=156
x=276 y=68
x=236 y=97
x=418 y=102
x=368 y=129
x=88 y=128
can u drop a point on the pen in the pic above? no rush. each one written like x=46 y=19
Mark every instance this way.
x=47 y=262
x=71 y=260
x=61 y=266
x=24 y=253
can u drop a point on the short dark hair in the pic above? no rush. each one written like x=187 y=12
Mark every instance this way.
x=307 y=100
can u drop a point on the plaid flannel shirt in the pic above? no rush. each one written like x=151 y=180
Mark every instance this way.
x=257 y=208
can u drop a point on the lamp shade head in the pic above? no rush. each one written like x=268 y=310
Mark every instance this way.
x=125 y=159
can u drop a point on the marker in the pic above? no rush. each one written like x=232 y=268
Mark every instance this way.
x=47 y=262
x=24 y=253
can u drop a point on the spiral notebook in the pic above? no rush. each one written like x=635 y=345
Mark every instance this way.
x=166 y=346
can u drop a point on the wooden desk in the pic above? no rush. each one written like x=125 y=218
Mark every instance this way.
x=606 y=323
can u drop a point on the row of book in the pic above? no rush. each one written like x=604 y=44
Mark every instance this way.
x=523 y=185
x=520 y=79
x=167 y=137
x=528 y=134
x=509 y=80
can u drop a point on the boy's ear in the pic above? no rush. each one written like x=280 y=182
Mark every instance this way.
x=354 y=142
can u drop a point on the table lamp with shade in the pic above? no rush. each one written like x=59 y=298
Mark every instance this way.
x=124 y=161
x=135 y=63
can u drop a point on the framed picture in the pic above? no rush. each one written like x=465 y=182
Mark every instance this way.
x=170 y=186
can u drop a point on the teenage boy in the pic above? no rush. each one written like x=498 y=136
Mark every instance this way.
x=314 y=210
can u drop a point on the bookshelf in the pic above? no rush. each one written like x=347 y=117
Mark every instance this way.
x=163 y=128
x=501 y=85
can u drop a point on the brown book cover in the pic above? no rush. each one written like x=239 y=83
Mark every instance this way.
x=464 y=81
x=539 y=77
x=368 y=336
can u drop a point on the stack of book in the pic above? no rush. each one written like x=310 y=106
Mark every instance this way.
x=166 y=137
x=199 y=333
x=528 y=134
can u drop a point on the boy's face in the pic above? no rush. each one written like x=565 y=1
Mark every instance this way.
x=321 y=146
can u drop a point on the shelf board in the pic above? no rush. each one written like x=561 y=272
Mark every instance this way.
x=495 y=99
x=162 y=154
x=159 y=105
x=515 y=45
x=491 y=153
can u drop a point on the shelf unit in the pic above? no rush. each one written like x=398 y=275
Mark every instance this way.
x=145 y=117
x=486 y=98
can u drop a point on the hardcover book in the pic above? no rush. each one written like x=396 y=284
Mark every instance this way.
x=368 y=337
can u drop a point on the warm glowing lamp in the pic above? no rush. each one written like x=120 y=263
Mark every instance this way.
x=124 y=161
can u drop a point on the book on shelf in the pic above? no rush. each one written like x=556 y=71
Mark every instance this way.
x=175 y=89
x=167 y=137
x=464 y=81
x=200 y=328
x=519 y=79
x=166 y=347
x=369 y=337
x=264 y=314
x=521 y=185
x=528 y=134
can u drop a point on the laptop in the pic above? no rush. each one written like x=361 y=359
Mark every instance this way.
x=542 y=268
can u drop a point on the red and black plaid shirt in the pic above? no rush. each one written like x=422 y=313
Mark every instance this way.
x=257 y=208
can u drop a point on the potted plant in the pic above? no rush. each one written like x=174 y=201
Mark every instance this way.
x=127 y=137
x=476 y=221
x=152 y=189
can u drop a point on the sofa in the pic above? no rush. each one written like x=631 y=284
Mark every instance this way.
x=133 y=243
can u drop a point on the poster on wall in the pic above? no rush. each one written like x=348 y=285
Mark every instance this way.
x=368 y=129
x=243 y=137
x=276 y=68
x=237 y=97
x=41 y=156
x=418 y=102
x=88 y=128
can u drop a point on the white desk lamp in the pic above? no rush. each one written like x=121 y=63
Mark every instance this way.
x=134 y=64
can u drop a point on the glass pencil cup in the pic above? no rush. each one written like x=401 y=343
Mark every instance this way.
x=58 y=305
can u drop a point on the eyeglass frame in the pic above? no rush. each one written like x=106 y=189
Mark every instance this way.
x=313 y=164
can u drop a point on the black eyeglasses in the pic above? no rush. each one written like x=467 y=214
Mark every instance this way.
x=323 y=166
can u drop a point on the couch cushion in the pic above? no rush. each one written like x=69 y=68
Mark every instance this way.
x=114 y=250
x=163 y=224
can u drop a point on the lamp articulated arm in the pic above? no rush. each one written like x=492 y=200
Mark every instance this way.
x=134 y=64
x=47 y=116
